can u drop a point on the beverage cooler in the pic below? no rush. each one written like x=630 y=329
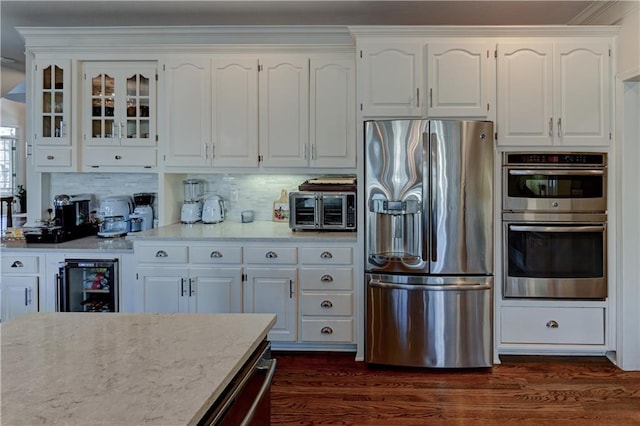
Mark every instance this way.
x=88 y=286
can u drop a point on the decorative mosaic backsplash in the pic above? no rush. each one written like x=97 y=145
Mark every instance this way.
x=240 y=191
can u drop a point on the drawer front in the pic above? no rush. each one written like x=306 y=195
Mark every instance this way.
x=161 y=254
x=326 y=256
x=329 y=330
x=271 y=255
x=52 y=157
x=332 y=304
x=145 y=157
x=214 y=255
x=17 y=264
x=326 y=278
x=571 y=326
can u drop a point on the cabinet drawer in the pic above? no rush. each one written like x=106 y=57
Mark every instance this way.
x=327 y=255
x=571 y=326
x=53 y=157
x=131 y=157
x=326 y=304
x=162 y=254
x=326 y=278
x=271 y=255
x=17 y=264
x=213 y=255
x=327 y=330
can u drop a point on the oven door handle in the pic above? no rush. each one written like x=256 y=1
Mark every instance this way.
x=578 y=228
x=548 y=172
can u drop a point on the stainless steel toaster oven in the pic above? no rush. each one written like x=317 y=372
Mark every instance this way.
x=323 y=210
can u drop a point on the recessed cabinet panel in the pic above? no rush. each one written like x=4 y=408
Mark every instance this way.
x=187 y=111
x=19 y=296
x=53 y=158
x=52 y=106
x=390 y=78
x=235 y=112
x=457 y=75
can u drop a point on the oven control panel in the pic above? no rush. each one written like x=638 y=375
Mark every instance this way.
x=559 y=158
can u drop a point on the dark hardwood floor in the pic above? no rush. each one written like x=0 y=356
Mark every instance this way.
x=331 y=388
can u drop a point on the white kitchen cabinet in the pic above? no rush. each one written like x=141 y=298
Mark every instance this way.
x=327 y=294
x=163 y=289
x=391 y=77
x=53 y=148
x=20 y=284
x=554 y=93
x=332 y=122
x=119 y=114
x=211 y=111
x=458 y=79
x=271 y=287
x=284 y=110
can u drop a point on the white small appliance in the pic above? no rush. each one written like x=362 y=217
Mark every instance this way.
x=142 y=216
x=213 y=209
x=191 y=211
x=114 y=214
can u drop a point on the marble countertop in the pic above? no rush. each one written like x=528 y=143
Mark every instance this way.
x=122 y=369
x=95 y=243
x=258 y=230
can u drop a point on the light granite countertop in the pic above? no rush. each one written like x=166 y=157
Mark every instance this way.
x=93 y=243
x=122 y=369
x=258 y=230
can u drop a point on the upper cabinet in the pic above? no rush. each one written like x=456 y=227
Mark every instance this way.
x=273 y=111
x=554 y=93
x=390 y=77
x=458 y=79
x=52 y=116
x=119 y=113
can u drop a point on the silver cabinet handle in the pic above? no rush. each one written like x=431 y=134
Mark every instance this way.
x=213 y=150
x=290 y=289
x=431 y=98
x=326 y=255
x=192 y=289
x=162 y=253
x=313 y=152
x=326 y=304
x=182 y=287
x=271 y=255
x=553 y=324
x=206 y=151
x=17 y=264
x=418 y=97
x=215 y=254
x=551 y=127
x=326 y=278
x=304 y=151
x=326 y=330
x=559 y=127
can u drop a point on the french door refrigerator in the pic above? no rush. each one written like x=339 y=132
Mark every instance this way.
x=429 y=243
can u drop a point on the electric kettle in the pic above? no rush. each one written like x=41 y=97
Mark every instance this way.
x=213 y=209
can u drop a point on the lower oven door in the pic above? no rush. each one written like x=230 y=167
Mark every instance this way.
x=557 y=260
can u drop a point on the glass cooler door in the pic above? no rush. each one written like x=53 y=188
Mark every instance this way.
x=88 y=286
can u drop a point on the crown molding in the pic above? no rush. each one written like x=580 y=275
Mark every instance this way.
x=485 y=31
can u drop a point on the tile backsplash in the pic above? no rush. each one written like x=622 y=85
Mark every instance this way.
x=240 y=191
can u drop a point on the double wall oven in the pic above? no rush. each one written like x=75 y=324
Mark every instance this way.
x=555 y=225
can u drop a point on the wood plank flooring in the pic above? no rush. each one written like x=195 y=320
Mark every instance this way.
x=331 y=388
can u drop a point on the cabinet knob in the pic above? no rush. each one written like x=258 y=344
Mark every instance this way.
x=118 y=157
x=326 y=278
x=271 y=255
x=553 y=324
x=326 y=255
x=17 y=264
x=326 y=330
x=162 y=253
x=326 y=304
x=50 y=157
x=216 y=254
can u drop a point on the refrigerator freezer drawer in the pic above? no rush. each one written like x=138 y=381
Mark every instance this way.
x=446 y=325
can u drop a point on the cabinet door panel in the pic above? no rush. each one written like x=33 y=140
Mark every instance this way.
x=188 y=111
x=390 y=80
x=582 y=107
x=284 y=111
x=216 y=290
x=457 y=79
x=235 y=112
x=162 y=294
x=19 y=296
x=52 y=103
x=525 y=103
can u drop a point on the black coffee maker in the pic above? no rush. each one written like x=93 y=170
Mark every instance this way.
x=72 y=220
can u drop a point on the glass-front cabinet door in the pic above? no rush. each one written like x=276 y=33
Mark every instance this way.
x=53 y=102
x=120 y=104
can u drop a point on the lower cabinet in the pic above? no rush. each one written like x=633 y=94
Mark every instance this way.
x=20 y=284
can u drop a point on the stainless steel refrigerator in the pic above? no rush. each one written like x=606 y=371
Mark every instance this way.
x=429 y=243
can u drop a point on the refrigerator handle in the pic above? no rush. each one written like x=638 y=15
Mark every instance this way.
x=426 y=195
x=433 y=196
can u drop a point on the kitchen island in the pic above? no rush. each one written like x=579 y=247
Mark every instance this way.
x=124 y=369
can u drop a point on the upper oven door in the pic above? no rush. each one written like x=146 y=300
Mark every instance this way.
x=554 y=189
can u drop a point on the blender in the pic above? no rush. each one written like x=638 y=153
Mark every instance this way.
x=191 y=211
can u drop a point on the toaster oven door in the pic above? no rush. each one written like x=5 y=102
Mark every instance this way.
x=303 y=211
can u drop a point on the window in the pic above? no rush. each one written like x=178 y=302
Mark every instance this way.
x=8 y=141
